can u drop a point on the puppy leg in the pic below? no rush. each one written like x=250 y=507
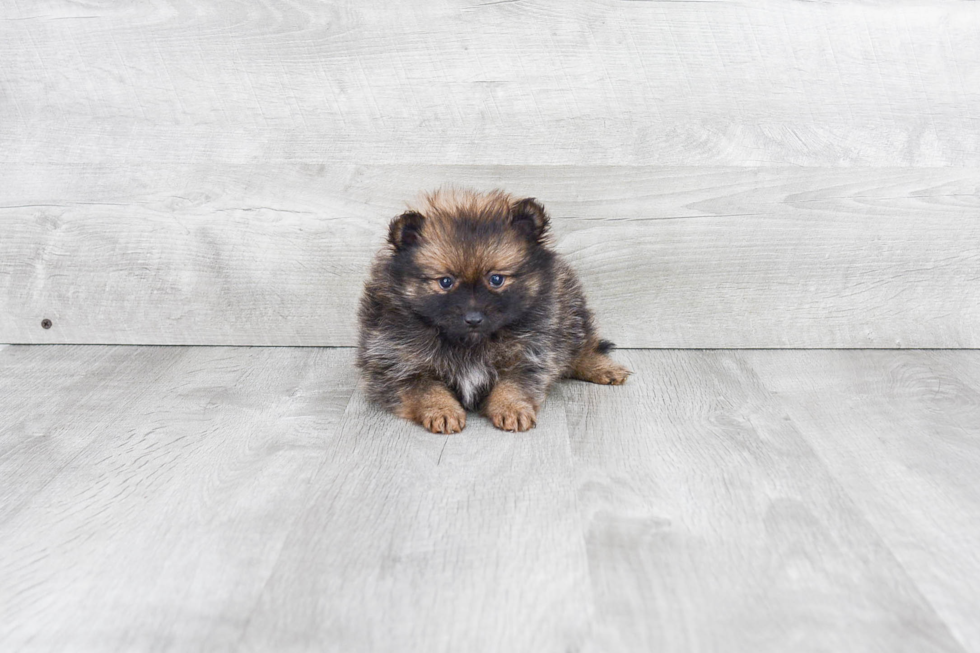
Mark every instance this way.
x=594 y=367
x=431 y=404
x=510 y=406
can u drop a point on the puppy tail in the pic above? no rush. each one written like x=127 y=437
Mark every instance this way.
x=605 y=346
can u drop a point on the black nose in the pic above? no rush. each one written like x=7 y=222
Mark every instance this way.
x=473 y=318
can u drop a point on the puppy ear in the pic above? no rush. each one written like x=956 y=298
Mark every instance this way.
x=405 y=230
x=529 y=218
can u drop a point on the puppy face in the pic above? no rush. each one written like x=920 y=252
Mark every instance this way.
x=471 y=264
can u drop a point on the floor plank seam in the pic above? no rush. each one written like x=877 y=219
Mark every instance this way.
x=582 y=529
x=882 y=541
x=792 y=407
x=311 y=488
x=93 y=441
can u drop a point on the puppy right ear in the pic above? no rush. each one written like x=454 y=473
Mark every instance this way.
x=405 y=230
x=530 y=218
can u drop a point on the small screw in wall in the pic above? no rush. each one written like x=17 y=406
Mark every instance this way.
x=45 y=323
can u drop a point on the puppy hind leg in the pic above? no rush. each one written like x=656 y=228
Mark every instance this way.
x=594 y=366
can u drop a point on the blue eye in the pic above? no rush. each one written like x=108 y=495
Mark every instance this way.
x=496 y=280
x=446 y=283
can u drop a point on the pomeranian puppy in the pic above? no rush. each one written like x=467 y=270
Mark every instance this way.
x=469 y=307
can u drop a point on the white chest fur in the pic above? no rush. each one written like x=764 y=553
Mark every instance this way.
x=471 y=382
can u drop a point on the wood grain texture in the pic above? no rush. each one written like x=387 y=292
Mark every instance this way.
x=243 y=499
x=220 y=173
x=670 y=257
x=419 y=542
x=713 y=525
x=55 y=404
x=902 y=433
x=146 y=492
x=532 y=82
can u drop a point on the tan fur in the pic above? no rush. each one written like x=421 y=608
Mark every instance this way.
x=436 y=261
x=434 y=407
x=429 y=353
x=441 y=254
x=445 y=204
x=594 y=367
x=509 y=408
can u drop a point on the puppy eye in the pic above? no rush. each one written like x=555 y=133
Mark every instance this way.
x=496 y=280
x=446 y=283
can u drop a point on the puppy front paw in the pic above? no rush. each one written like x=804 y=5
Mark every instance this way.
x=510 y=413
x=514 y=417
x=433 y=406
x=511 y=407
x=443 y=419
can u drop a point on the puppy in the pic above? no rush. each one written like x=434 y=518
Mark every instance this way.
x=469 y=307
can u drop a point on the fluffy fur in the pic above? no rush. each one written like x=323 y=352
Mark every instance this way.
x=469 y=307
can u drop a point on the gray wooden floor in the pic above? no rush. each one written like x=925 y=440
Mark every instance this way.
x=220 y=499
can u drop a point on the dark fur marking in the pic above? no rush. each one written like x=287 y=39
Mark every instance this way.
x=404 y=231
x=535 y=330
x=530 y=219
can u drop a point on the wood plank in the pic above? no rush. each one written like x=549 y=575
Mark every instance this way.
x=588 y=82
x=670 y=257
x=171 y=478
x=55 y=401
x=711 y=523
x=901 y=432
x=417 y=542
x=226 y=499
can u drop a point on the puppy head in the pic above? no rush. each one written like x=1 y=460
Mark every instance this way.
x=471 y=263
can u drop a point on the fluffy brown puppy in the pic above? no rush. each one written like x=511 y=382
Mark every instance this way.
x=468 y=307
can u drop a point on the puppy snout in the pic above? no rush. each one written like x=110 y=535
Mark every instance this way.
x=473 y=318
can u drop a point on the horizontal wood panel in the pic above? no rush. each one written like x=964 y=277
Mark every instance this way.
x=474 y=82
x=670 y=257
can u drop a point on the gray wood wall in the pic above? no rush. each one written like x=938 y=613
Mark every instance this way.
x=723 y=174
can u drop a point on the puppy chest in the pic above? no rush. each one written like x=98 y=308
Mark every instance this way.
x=472 y=383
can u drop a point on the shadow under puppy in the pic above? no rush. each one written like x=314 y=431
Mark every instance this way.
x=469 y=308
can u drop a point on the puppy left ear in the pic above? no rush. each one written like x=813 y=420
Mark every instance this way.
x=530 y=218
x=405 y=230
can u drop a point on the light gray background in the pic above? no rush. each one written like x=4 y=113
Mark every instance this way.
x=723 y=174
